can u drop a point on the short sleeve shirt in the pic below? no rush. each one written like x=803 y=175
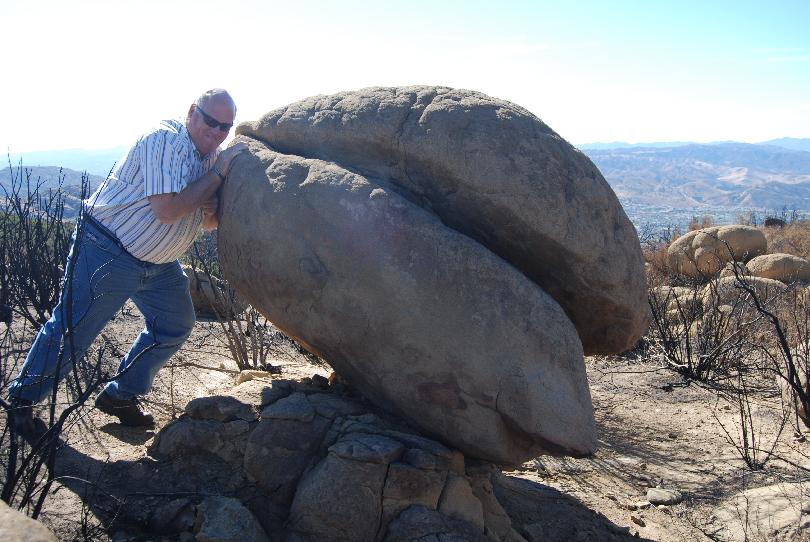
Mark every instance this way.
x=162 y=161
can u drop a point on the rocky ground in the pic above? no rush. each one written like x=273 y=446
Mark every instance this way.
x=655 y=431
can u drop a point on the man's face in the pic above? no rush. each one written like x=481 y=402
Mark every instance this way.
x=207 y=138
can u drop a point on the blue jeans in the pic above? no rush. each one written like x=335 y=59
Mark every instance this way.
x=104 y=277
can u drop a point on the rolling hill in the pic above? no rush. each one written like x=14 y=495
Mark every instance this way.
x=722 y=174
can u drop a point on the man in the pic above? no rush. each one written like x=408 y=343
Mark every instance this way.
x=138 y=222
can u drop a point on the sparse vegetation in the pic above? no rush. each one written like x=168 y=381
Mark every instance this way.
x=744 y=342
x=33 y=245
x=698 y=223
x=34 y=242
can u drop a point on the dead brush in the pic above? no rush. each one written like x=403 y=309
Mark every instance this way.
x=793 y=238
x=251 y=339
x=654 y=246
x=699 y=223
x=698 y=336
x=657 y=268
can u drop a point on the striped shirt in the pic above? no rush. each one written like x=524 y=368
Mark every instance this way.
x=162 y=161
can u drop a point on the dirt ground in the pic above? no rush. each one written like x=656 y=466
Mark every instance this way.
x=655 y=430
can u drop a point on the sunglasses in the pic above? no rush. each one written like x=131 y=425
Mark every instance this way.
x=212 y=122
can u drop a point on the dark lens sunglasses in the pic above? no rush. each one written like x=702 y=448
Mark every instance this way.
x=212 y=122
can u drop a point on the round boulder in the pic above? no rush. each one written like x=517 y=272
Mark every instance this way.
x=729 y=291
x=17 y=527
x=702 y=253
x=782 y=267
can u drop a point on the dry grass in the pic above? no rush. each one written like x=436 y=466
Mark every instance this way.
x=657 y=268
x=793 y=238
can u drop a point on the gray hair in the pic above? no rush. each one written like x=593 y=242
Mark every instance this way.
x=215 y=94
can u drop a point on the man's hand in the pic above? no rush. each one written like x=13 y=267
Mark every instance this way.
x=223 y=163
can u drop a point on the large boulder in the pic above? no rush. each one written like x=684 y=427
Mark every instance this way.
x=447 y=253
x=785 y=268
x=422 y=319
x=702 y=253
x=492 y=171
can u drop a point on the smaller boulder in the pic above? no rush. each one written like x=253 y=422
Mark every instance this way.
x=660 y=495
x=220 y=408
x=17 y=527
x=728 y=291
x=745 y=242
x=187 y=435
x=667 y=293
x=213 y=302
x=785 y=268
x=741 y=269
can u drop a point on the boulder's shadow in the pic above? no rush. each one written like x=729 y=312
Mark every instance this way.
x=130 y=435
x=541 y=512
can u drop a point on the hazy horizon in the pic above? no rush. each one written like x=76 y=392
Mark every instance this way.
x=120 y=148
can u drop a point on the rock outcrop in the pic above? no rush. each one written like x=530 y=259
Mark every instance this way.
x=447 y=253
x=702 y=253
x=335 y=470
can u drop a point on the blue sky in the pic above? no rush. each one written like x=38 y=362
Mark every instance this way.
x=93 y=74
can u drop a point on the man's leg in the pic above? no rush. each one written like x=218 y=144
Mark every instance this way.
x=165 y=303
x=103 y=278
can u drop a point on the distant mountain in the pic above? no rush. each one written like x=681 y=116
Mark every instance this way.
x=46 y=176
x=796 y=144
x=623 y=145
x=790 y=143
x=722 y=174
x=97 y=161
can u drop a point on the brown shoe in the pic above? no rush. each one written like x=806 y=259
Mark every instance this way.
x=128 y=411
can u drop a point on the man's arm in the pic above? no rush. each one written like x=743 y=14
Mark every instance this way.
x=169 y=208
